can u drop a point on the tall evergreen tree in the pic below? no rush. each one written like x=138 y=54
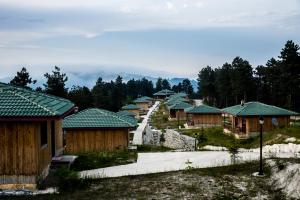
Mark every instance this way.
x=158 y=86
x=118 y=94
x=56 y=82
x=206 y=85
x=243 y=87
x=165 y=84
x=81 y=96
x=22 y=79
x=187 y=87
x=224 y=86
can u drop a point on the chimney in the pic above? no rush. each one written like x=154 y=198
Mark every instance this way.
x=76 y=109
x=242 y=102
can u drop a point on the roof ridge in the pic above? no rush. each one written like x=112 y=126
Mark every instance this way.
x=243 y=107
x=32 y=102
x=114 y=115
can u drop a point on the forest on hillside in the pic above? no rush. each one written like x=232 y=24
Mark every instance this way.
x=107 y=95
x=277 y=83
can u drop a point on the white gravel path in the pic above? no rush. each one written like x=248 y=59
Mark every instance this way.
x=138 y=133
x=171 y=161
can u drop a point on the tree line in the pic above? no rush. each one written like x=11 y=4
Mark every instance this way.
x=276 y=83
x=106 y=95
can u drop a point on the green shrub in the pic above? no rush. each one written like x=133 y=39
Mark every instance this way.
x=94 y=160
x=68 y=180
x=151 y=148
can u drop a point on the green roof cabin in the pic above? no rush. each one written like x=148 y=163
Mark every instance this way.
x=94 y=130
x=163 y=94
x=204 y=116
x=126 y=113
x=30 y=133
x=133 y=109
x=177 y=111
x=143 y=102
x=244 y=118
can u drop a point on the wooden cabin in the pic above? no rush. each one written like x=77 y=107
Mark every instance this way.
x=177 y=111
x=30 y=134
x=126 y=113
x=163 y=94
x=94 y=130
x=144 y=103
x=133 y=109
x=204 y=116
x=243 y=120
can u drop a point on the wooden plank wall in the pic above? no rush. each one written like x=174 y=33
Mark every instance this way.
x=207 y=119
x=21 y=156
x=136 y=112
x=78 y=141
x=18 y=143
x=44 y=152
x=181 y=115
x=58 y=137
x=252 y=123
x=143 y=105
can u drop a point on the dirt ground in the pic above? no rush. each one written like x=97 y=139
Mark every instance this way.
x=231 y=182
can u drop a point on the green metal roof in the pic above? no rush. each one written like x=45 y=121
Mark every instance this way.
x=21 y=102
x=126 y=113
x=180 y=106
x=203 y=109
x=175 y=100
x=257 y=109
x=180 y=94
x=131 y=107
x=164 y=92
x=98 y=118
x=143 y=99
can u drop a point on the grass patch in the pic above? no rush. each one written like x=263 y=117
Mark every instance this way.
x=292 y=131
x=214 y=136
x=152 y=148
x=94 y=160
x=160 y=119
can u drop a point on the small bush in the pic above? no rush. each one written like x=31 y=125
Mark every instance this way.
x=94 y=160
x=151 y=148
x=68 y=180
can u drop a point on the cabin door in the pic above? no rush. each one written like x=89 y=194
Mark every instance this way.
x=243 y=125
x=53 y=138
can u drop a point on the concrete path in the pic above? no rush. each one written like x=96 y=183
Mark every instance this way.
x=138 y=133
x=171 y=161
x=167 y=161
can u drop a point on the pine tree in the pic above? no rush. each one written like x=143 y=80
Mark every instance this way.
x=22 y=79
x=55 y=84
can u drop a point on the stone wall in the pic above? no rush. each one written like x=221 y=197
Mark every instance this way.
x=173 y=139
x=151 y=136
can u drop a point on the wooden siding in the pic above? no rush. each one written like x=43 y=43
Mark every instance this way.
x=206 y=119
x=22 y=158
x=136 y=112
x=177 y=114
x=79 y=140
x=143 y=105
x=18 y=143
x=59 y=146
x=252 y=124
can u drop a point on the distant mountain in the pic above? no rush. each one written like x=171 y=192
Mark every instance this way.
x=89 y=78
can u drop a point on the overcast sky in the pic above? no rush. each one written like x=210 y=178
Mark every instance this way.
x=155 y=37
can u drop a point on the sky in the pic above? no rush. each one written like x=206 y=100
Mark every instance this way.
x=147 y=37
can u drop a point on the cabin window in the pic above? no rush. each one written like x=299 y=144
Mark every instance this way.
x=44 y=135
